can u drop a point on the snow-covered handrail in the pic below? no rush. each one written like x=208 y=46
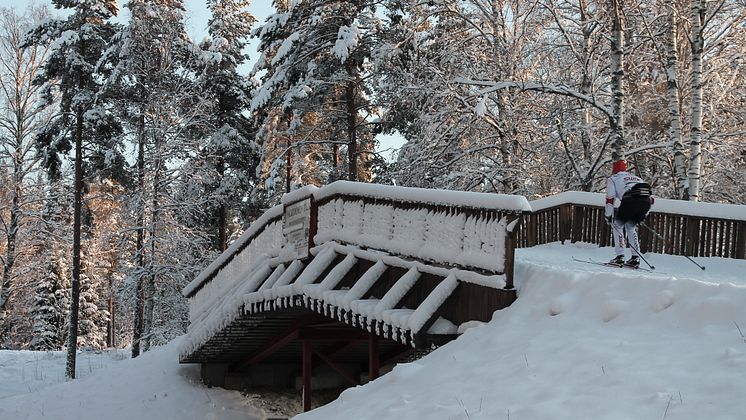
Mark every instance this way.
x=463 y=199
x=256 y=228
x=452 y=228
x=662 y=205
x=478 y=235
x=685 y=227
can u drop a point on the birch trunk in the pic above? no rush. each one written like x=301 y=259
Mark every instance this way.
x=21 y=117
x=617 y=76
x=692 y=193
x=586 y=136
x=679 y=165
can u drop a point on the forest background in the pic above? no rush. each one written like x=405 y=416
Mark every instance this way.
x=131 y=155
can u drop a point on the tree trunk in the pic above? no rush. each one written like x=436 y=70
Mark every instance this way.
x=72 y=337
x=679 y=165
x=149 y=286
x=289 y=157
x=617 y=81
x=140 y=244
x=352 y=172
x=695 y=164
x=111 y=325
x=222 y=211
x=586 y=88
x=10 y=251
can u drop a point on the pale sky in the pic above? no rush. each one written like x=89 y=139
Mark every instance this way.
x=197 y=13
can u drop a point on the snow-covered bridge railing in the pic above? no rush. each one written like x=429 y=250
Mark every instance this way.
x=383 y=258
x=398 y=268
x=223 y=276
x=450 y=228
x=689 y=228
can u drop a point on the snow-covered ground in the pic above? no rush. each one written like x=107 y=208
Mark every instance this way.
x=581 y=342
x=154 y=386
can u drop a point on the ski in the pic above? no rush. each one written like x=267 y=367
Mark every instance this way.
x=590 y=261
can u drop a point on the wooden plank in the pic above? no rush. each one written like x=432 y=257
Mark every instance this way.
x=508 y=268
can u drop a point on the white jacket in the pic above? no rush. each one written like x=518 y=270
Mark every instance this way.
x=616 y=186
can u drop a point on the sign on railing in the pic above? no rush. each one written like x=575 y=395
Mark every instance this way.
x=296 y=226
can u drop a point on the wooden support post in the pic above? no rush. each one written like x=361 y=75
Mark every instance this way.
x=509 y=263
x=374 y=359
x=565 y=222
x=307 y=371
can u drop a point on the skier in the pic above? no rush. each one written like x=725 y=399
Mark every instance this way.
x=636 y=199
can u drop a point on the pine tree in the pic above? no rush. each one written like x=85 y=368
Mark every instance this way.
x=49 y=272
x=316 y=56
x=153 y=77
x=226 y=167
x=80 y=40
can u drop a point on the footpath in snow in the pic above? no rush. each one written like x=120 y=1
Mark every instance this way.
x=581 y=342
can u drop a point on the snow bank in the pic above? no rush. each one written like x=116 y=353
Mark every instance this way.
x=582 y=342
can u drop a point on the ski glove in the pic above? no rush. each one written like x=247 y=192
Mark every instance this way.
x=609 y=219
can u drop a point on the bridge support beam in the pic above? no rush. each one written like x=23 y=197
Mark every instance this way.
x=374 y=359
x=307 y=371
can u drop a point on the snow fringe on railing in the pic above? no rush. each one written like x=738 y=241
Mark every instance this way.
x=442 y=236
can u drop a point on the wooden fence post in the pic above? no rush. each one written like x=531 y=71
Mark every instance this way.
x=510 y=245
x=565 y=220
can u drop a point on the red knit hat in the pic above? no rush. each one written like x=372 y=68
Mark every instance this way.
x=618 y=166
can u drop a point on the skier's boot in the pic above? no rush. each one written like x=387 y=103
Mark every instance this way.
x=618 y=260
x=633 y=262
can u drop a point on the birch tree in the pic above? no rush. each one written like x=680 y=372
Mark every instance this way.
x=21 y=118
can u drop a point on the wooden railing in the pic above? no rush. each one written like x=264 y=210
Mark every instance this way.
x=691 y=229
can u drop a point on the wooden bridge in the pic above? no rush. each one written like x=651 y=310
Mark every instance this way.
x=339 y=283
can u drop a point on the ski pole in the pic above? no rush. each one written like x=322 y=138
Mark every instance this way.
x=702 y=267
x=639 y=254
